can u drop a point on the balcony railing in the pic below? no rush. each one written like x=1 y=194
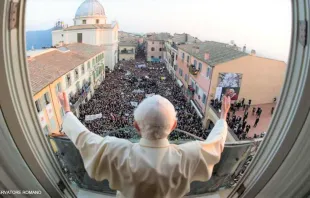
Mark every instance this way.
x=235 y=158
x=127 y=51
x=193 y=70
x=80 y=95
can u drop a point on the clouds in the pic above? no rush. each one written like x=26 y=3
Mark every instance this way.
x=262 y=25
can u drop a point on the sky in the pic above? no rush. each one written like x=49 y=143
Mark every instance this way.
x=263 y=25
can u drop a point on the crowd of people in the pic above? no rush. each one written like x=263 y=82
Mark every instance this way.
x=239 y=124
x=125 y=87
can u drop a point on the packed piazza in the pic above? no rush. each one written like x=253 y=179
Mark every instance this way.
x=123 y=89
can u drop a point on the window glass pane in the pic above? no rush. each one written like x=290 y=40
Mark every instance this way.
x=38 y=105
x=47 y=98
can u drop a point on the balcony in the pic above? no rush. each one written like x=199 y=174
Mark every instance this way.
x=193 y=70
x=80 y=95
x=235 y=159
x=125 y=51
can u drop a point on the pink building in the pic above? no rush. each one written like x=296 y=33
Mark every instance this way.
x=209 y=69
x=155 y=46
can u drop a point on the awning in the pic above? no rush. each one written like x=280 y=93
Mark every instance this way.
x=179 y=83
x=197 y=110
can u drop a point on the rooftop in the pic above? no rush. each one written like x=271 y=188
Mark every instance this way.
x=47 y=67
x=159 y=36
x=90 y=8
x=218 y=52
x=91 y=26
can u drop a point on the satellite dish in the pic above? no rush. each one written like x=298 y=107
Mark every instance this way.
x=232 y=42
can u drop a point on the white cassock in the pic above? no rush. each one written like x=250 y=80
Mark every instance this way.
x=150 y=168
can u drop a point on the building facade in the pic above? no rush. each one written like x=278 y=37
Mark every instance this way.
x=90 y=27
x=155 y=46
x=76 y=69
x=209 y=69
x=127 y=50
x=170 y=56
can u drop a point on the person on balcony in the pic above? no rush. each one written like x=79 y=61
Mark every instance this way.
x=153 y=167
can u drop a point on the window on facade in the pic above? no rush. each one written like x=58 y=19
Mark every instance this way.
x=153 y=42
x=83 y=69
x=79 y=37
x=197 y=90
x=187 y=59
x=199 y=66
x=76 y=73
x=38 y=105
x=182 y=56
x=195 y=63
x=47 y=99
x=180 y=72
x=208 y=74
x=88 y=65
x=175 y=67
x=152 y=56
x=84 y=21
x=58 y=88
x=186 y=77
x=204 y=98
x=193 y=84
x=97 y=21
x=68 y=80
x=176 y=57
x=152 y=49
x=160 y=49
x=159 y=57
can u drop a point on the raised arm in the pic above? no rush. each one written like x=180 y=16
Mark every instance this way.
x=210 y=150
x=98 y=153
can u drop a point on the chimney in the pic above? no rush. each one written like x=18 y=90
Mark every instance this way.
x=253 y=52
x=207 y=56
x=244 y=48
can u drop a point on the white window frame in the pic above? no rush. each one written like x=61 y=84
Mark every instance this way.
x=283 y=155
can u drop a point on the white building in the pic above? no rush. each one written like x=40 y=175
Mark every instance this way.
x=170 y=57
x=90 y=27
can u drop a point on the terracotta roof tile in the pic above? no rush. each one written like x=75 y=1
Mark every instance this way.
x=46 y=68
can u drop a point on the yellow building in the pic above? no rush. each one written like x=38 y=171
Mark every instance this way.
x=70 y=68
x=127 y=50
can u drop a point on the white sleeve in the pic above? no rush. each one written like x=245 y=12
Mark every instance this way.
x=210 y=151
x=102 y=156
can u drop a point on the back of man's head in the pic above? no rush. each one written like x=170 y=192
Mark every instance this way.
x=155 y=117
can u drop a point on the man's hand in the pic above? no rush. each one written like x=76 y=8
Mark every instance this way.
x=225 y=106
x=62 y=97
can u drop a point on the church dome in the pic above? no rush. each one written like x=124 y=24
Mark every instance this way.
x=90 y=8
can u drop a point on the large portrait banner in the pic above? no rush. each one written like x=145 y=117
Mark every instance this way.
x=230 y=84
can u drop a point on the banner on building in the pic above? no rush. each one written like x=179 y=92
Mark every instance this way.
x=233 y=92
x=149 y=95
x=230 y=83
x=42 y=119
x=134 y=104
x=93 y=117
x=49 y=110
x=218 y=93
